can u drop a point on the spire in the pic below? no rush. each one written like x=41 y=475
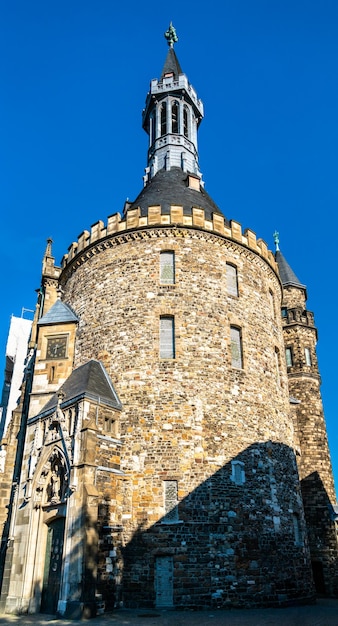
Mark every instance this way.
x=171 y=66
x=48 y=251
x=171 y=117
x=287 y=275
x=48 y=259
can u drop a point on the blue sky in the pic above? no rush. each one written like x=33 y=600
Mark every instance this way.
x=74 y=77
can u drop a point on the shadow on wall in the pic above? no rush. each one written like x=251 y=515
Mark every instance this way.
x=79 y=566
x=238 y=539
x=321 y=520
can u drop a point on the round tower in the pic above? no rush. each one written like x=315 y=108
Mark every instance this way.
x=183 y=309
x=159 y=466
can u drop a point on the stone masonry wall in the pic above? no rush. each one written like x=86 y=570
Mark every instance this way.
x=186 y=419
x=311 y=441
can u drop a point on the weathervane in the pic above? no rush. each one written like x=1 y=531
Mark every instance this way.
x=276 y=239
x=171 y=36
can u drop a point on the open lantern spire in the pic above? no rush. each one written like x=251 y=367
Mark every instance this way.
x=171 y=117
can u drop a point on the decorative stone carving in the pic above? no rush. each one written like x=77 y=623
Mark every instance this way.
x=58 y=478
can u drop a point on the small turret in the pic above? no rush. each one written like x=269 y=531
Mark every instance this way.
x=311 y=443
x=171 y=117
x=49 y=281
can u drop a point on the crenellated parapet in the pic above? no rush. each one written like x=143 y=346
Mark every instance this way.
x=299 y=315
x=132 y=221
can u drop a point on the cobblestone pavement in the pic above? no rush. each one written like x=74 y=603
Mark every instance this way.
x=324 y=613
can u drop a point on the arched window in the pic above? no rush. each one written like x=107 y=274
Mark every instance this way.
x=237 y=472
x=185 y=122
x=174 y=117
x=152 y=132
x=164 y=118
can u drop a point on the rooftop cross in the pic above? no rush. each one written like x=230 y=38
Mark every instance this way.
x=171 y=36
x=276 y=239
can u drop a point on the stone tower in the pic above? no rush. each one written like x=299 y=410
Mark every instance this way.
x=159 y=465
x=311 y=444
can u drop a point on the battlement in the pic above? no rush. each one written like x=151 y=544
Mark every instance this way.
x=298 y=315
x=133 y=220
x=170 y=84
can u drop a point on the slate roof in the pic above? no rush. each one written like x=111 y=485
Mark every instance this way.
x=171 y=65
x=169 y=187
x=58 y=314
x=334 y=512
x=87 y=381
x=288 y=277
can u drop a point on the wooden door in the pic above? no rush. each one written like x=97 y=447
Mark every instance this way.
x=53 y=566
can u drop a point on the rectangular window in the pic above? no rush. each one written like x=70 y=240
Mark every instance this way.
x=170 y=500
x=236 y=347
x=288 y=356
x=277 y=366
x=308 y=356
x=231 y=279
x=297 y=529
x=167 y=268
x=272 y=302
x=51 y=374
x=109 y=425
x=237 y=472
x=167 y=338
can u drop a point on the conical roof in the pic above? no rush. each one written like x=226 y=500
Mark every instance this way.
x=170 y=187
x=87 y=381
x=287 y=275
x=171 y=65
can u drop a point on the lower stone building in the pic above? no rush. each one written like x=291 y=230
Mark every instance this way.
x=170 y=447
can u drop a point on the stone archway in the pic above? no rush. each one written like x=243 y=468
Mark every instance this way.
x=50 y=492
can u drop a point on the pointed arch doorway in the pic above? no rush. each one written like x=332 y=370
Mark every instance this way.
x=53 y=566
